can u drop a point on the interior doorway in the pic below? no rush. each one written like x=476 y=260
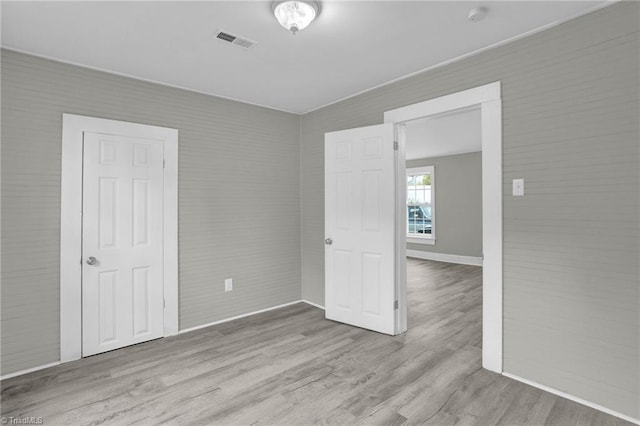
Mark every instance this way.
x=148 y=155
x=487 y=100
x=444 y=230
x=444 y=187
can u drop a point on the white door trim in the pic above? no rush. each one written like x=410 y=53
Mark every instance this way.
x=489 y=99
x=73 y=127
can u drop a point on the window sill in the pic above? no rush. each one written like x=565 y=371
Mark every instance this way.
x=421 y=240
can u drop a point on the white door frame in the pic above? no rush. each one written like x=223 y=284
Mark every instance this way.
x=73 y=127
x=490 y=101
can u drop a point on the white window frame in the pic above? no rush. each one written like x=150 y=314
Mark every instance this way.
x=73 y=127
x=429 y=239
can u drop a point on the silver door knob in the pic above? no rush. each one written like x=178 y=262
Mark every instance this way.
x=91 y=260
x=328 y=241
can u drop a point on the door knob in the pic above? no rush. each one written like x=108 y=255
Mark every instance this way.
x=91 y=260
x=328 y=241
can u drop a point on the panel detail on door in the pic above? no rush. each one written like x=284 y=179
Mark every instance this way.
x=360 y=227
x=342 y=272
x=141 y=155
x=140 y=301
x=343 y=151
x=141 y=219
x=108 y=220
x=122 y=242
x=108 y=282
x=372 y=148
x=371 y=208
x=371 y=265
x=108 y=152
x=343 y=200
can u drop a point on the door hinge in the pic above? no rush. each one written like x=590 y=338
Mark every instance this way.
x=395 y=304
x=164 y=303
x=163 y=164
x=395 y=145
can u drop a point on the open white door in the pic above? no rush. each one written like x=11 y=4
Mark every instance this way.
x=360 y=227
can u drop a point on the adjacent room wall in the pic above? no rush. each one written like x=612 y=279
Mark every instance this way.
x=571 y=255
x=458 y=204
x=239 y=202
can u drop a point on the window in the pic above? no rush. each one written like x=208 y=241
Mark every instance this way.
x=420 y=205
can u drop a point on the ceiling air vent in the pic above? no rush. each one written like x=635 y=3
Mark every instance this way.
x=234 y=39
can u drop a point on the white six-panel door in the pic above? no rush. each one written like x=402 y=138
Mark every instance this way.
x=122 y=223
x=360 y=227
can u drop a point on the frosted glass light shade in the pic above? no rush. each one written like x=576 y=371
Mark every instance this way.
x=295 y=15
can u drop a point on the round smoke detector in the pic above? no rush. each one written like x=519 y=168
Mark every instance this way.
x=477 y=14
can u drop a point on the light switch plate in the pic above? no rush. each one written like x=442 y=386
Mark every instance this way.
x=228 y=284
x=518 y=187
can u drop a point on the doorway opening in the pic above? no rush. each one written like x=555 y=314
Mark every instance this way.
x=444 y=230
x=485 y=100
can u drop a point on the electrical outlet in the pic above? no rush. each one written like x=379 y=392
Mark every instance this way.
x=228 y=284
x=518 y=187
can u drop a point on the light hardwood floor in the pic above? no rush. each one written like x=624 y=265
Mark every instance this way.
x=291 y=366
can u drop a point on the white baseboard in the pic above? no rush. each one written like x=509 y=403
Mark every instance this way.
x=198 y=327
x=313 y=304
x=572 y=398
x=443 y=257
x=29 y=370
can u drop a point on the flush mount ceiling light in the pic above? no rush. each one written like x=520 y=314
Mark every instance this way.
x=295 y=15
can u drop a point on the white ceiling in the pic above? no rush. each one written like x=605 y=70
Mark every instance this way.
x=446 y=134
x=353 y=45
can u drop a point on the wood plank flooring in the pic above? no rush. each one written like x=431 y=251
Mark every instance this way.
x=291 y=366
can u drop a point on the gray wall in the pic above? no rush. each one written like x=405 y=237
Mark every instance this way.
x=239 y=202
x=458 y=204
x=571 y=255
